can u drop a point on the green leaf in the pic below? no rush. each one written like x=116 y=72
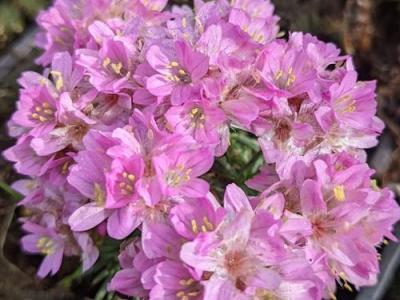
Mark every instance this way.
x=10 y=191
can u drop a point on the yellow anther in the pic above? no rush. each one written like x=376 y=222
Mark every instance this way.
x=131 y=177
x=291 y=79
x=43 y=119
x=348 y=287
x=116 y=67
x=38 y=108
x=180 y=294
x=193 y=294
x=182 y=72
x=106 y=62
x=194 y=111
x=48 y=111
x=46 y=105
x=195 y=229
x=174 y=64
x=208 y=224
x=35 y=116
x=184 y=22
x=186 y=282
x=203 y=228
x=124 y=174
x=332 y=296
x=64 y=168
x=59 y=79
x=339 y=193
x=278 y=75
x=45 y=245
x=99 y=195
x=374 y=185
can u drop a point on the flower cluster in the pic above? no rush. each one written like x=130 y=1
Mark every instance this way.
x=135 y=103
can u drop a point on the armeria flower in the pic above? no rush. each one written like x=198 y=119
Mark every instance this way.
x=255 y=18
x=73 y=126
x=195 y=216
x=45 y=241
x=285 y=71
x=26 y=160
x=110 y=68
x=134 y=265
x=353 y=103
x=179 y=171
x=118 y=134
x=88 y=177
x=58 y=32
x=232 y=255
x=36 y=110
x=179 y=71
x=175 y=281
x=121 y=181
x=202 y=120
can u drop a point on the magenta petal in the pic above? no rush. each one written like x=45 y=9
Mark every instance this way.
x=235 y=199
x=158 y=85
x=88 y=216
x=122 y=222
x=127 y=282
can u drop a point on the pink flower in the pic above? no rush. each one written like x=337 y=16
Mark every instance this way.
x=44 y=241
x=202 y=120
x=179 y=171
x=110 y=68
x=255 y=18
x=174 y=280
x=233 y=252
x=135 y=266
x=179 y=71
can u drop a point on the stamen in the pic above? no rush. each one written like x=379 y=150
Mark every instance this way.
x=194 y=226
x=174 y=64
x=117 y=67
x=59 y=79
x=99 y=196
x=106 y=62
x=208 y=224
x=339 y=193
x=278 y=75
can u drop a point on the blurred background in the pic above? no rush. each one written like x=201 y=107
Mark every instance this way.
x=367 y=29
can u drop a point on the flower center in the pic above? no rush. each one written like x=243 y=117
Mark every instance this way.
x=196 y=117
x=205 y=226
x=42 y=113
x=178 y=74
x=45 y=245
x=177 y=176
x=285 y=79
x=126 y=184
x=235 y=261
